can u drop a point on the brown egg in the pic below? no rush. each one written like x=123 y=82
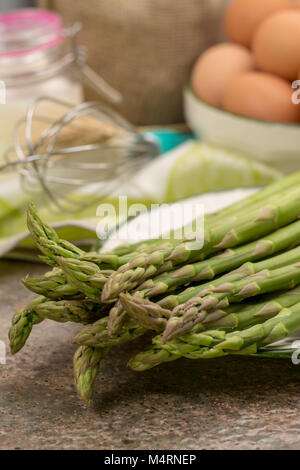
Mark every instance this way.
x=262 y=96
x=216 y=67
x=242 y=17
x=276 y=44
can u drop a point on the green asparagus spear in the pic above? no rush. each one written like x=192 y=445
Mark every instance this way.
x=146 y=313
x=238 y=316
x=281 y=186
x=255 y=200
x=252 y=226
x=149 y=313
x=250 y=340
x=199 y=339
x=241 y=316
x=196 y=310
x=76 y=311
x=51 y=245
x=22 y=324
x=102 y=260
x=280 y=240
x=40 y=230
x=86 y=277
x=86 y=366
x=53 y=285
x=139 y=247
x=117 y=317
x=97 y=335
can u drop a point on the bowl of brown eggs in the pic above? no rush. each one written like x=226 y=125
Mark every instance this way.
x=244 y=94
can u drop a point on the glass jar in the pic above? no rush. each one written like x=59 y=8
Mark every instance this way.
x=37 y=58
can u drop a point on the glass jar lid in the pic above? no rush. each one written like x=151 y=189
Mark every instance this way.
x=29 y=30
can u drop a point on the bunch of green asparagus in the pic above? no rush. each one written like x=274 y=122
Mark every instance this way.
x=235 y=294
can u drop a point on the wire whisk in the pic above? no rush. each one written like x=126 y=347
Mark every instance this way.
x=78 y=158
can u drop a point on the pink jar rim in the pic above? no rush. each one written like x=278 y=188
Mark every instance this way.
x=29 y=30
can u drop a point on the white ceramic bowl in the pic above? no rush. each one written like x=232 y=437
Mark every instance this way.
x=273 y=143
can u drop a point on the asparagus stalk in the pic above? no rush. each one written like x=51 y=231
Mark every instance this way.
x=102 y=260
x=252 y=226
x=230 y=259
x=197 y=309
x=146 y=313
x=140 y=247
x=278 y=241
x=212 y=219
x=251 y=339
x=241 y=316
x=49 y=242
x=22 y=324
x=118 y=313
x=86 y=367
x=53 y=285
x=149 y=313
x=97 y=335
x=257 y=223
x=39 y=231
x=117 y=317
x=255 y=200
x=197 y=344
x=52 y=246
x=76 y=311
x=238 y=316
x=96 y=343
x=86 y=277
x=281 y=186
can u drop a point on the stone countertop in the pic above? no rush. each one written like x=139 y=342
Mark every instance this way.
x=228 y=403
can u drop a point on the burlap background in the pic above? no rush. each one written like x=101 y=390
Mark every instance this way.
x=144 y=48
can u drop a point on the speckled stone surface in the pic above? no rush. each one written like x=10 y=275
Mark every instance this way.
x=230 y=403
